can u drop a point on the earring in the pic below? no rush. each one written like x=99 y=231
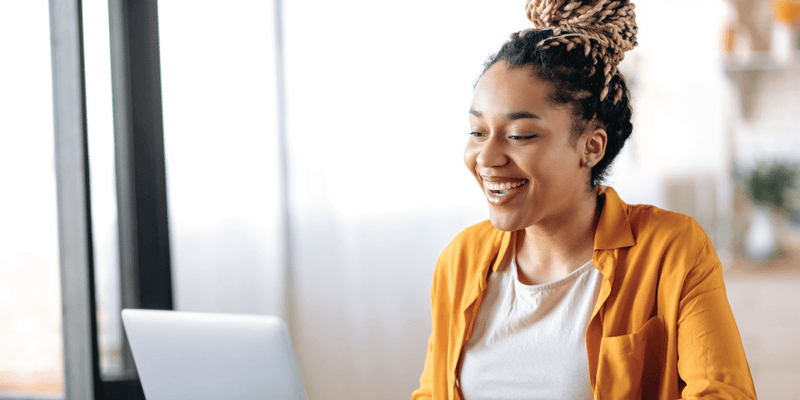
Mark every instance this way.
x=589 y=164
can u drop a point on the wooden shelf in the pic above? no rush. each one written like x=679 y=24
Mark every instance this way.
x=747 y=71
x=761 y=61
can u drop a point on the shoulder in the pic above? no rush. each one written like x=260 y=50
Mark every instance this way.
x=671 y=254
x=476 y=235
x=474 y=244
x=645 y=228
x=673 y=238
x=473 y=250
x=653 y=223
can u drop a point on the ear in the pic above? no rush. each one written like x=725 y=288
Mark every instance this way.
x=594 y=146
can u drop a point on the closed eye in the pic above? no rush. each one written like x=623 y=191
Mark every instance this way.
x=520 y=138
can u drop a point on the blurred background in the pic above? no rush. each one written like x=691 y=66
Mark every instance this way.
x=335 y=219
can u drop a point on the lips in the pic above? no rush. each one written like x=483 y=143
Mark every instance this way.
x=500 y=191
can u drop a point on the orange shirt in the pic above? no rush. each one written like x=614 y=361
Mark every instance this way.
x=661 y=328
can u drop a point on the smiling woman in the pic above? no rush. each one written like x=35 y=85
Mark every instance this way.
x=530 y=148
x=535 y=150
x=564 y=271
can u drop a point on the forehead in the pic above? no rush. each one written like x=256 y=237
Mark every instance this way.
x=503 y=89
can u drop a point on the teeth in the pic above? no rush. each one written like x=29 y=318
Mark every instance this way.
x=503 y=185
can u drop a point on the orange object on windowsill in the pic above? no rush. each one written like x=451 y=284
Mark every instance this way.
x=788 y=12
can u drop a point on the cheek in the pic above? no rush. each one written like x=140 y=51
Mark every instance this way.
x=470 y=157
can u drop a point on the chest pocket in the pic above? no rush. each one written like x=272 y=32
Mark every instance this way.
x=630 y=366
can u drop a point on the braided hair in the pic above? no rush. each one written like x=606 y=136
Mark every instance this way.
x=576 y=46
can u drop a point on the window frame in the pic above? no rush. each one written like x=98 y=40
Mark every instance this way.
x=145 y=266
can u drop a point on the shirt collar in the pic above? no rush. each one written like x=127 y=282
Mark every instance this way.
x=613 y=227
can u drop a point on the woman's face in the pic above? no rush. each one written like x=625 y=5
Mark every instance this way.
x=520 y=151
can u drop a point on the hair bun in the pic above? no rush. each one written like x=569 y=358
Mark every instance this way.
x=606 y=29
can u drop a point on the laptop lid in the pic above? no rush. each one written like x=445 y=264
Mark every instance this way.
x=188 y=355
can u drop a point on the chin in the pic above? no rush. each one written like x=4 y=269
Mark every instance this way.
x=504 y=224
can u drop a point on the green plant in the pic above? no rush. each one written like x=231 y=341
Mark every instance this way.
x=772 y=187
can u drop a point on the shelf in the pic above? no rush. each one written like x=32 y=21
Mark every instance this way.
x=747 y=71
x=761 y=61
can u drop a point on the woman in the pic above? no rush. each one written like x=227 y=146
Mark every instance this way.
x=564 y=271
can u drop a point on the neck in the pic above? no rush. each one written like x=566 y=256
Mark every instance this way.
x=553 y=249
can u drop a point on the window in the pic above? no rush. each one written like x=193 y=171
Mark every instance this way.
x=31 y=355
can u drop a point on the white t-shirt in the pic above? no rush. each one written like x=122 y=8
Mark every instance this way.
x=529 y=341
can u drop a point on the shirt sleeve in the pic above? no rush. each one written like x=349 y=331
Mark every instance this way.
x=424 y=392
x=711 y=359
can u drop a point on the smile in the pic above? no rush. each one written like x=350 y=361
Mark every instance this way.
x=499 y=193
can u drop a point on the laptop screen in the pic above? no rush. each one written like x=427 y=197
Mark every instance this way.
x=188 y=355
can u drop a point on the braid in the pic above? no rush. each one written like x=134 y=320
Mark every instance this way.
x=576 y=46
x=605 y=30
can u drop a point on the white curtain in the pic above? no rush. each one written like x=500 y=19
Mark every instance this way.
x=218 y=83
x=378 y=95
x=377 y=100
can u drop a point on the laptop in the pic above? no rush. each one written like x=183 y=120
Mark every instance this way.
x=188 y=355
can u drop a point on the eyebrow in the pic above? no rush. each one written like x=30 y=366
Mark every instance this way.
x=510 y=116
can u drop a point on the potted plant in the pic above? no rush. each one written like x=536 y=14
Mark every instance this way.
x=773 y=189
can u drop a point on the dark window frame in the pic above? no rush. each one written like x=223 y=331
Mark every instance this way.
x=145 y=266
x=145 y=269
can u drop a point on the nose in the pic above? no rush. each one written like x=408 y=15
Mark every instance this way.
x=492 y=153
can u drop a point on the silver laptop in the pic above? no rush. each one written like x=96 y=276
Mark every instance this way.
x=187 y=355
